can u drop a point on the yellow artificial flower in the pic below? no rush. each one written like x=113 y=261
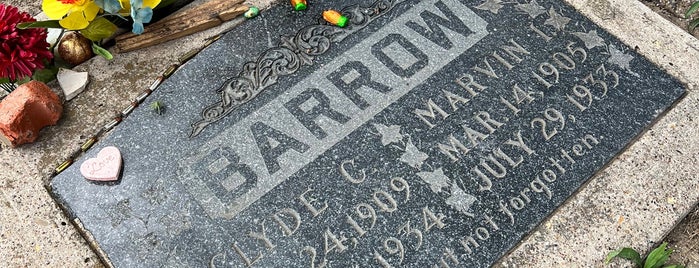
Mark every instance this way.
x=80 y=12
x=126 y=5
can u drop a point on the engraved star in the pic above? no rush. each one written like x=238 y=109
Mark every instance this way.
x=119 y=212
x=178 y=221
x=436 y=179
x=491 y=5
x=461 y=200
x=389 y=134
x=412 y=155
x=155 y=194
x=556 y=20
x=590 y=38
x=620 y=58
x=532 y=8
x=144 y=244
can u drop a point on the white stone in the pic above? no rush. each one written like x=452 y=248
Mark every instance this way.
x=72 y=83
x=52 y=33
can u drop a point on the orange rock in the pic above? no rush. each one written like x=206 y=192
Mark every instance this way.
x=25 y=111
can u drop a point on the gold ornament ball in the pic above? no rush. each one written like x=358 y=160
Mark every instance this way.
x=75 y=48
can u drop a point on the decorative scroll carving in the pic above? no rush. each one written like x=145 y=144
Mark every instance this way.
x=286 y=58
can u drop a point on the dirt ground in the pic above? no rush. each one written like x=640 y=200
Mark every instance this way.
x=673 y=10
x=684 y=239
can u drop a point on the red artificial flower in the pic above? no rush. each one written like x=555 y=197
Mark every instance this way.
x=21 y=51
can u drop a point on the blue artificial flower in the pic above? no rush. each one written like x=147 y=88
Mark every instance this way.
x=109 y=6
x=140 y=14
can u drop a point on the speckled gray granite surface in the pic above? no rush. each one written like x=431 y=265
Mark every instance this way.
x=424 y=133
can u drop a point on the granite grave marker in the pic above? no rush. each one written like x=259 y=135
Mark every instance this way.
x=431 y=133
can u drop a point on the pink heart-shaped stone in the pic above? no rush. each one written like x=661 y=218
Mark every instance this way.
x=105 y=167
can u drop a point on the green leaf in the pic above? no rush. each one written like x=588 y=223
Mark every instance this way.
x=101 y=51
x=625 y=253
x=657 y=257
x=693 y=8
x=99 y=29
x=39 y=24
x=674 y=266
x=45 y=75
x=692 y=25
x=4 y=80
x=23 y=80
x=158 y=107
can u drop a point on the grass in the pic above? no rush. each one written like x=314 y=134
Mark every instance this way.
x=694 y=22
x=655 y=259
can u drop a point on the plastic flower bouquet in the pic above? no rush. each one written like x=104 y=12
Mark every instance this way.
x=95 y=19
x=80 y=14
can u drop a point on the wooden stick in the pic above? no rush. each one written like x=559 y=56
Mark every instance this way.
x=232 y=13
x=207 y=15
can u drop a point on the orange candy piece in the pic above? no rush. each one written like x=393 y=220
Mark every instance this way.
x=299 y=4
x=335 y=18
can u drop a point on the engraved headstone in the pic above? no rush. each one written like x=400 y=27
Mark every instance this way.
x=425 y=133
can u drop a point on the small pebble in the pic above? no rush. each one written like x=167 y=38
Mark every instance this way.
x=252 y=12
